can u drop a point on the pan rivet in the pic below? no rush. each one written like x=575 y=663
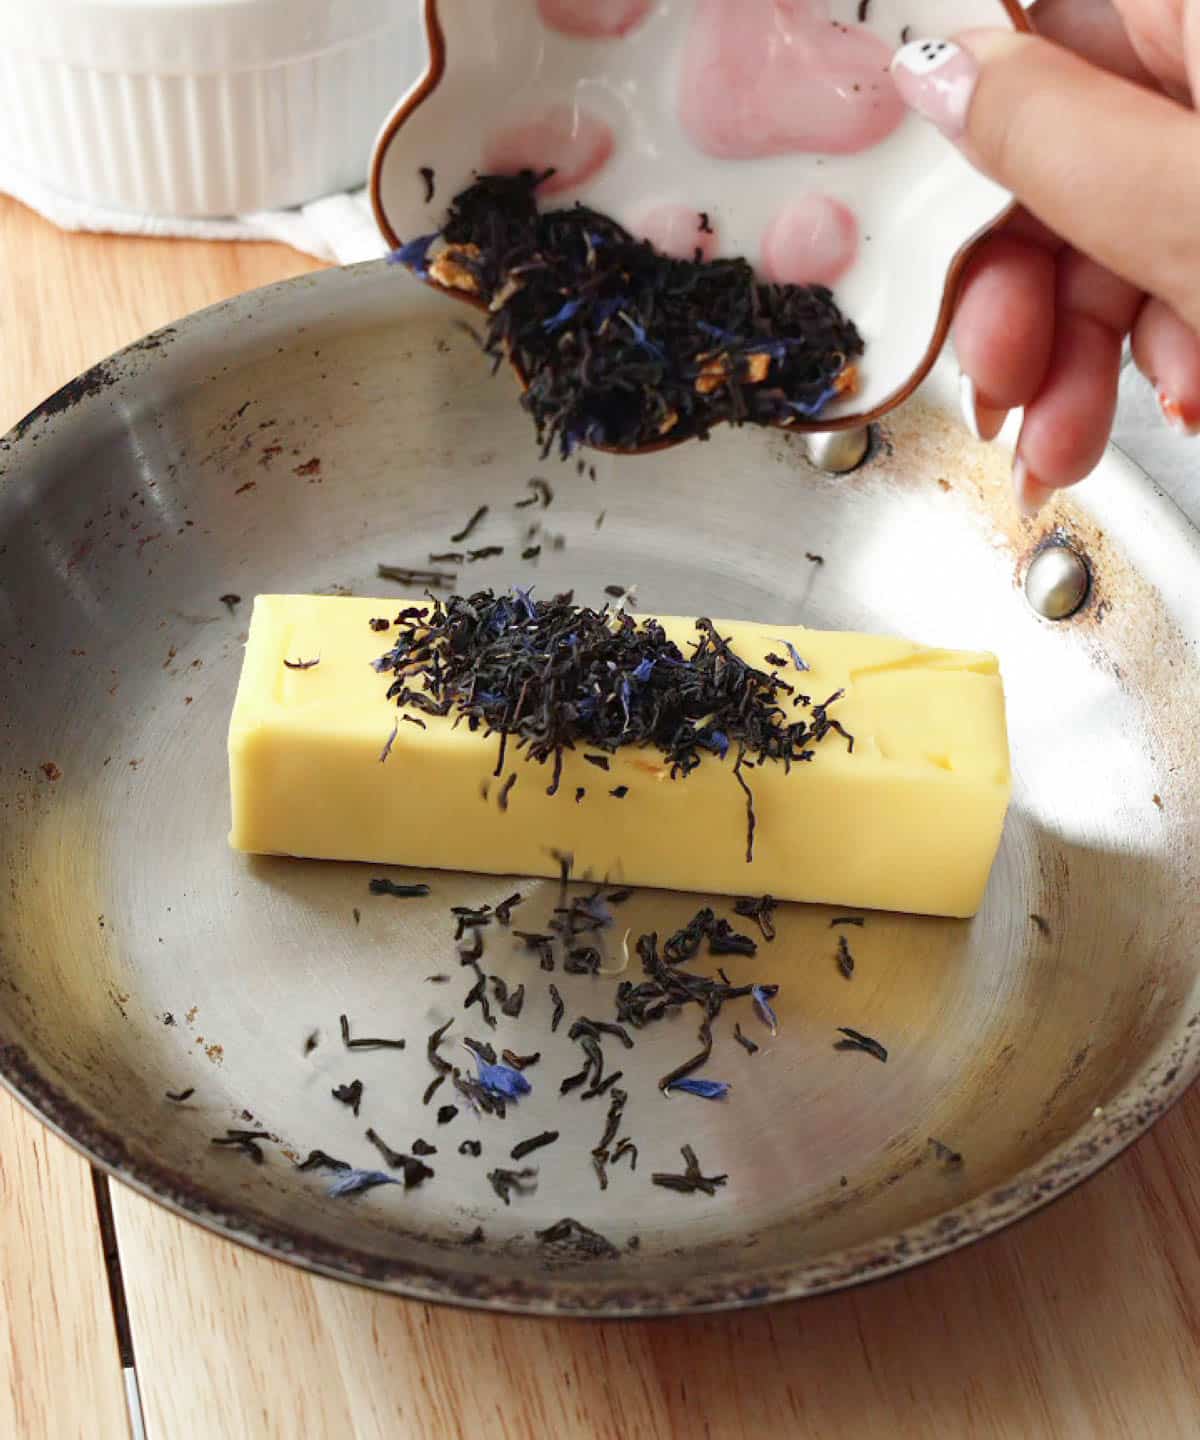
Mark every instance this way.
x=838 y=451
x=1057 y=582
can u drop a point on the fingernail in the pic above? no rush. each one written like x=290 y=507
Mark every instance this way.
x=1183 y=422
x=1031 y=493
x=936 y=78
x=983 y=421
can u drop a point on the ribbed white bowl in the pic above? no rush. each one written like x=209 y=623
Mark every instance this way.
x=200 y=107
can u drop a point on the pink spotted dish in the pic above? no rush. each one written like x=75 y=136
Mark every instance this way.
x=764 y=128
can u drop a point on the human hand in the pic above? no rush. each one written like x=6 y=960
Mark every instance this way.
x=1102 y=149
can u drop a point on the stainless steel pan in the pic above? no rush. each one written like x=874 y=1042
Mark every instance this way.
x=293 y=438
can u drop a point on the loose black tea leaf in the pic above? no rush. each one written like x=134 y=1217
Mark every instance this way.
x=520 y=1062
x=513 y=1005
x=859 y=920
x=621 y=346
x=366 y=1042
x=559 y=1008
x=845 y=960
x=692 y=1180
x=423 y=1147
x=470 y=1147
x=619 y=792
x=535 y=1142
x=945 y=1153
x=446 y=1114
x=426 y=174
x=438 y=979
x=864 y=7
x=601 y=762
x=476 y=1236
x=505 y=908
x=381 y=885
x=432 y=1088
x=179 y=1096
x=751 y=818
x=855 y=1040
x=469 y=527
x=481 y=1048
x=762 y=910
x=531 y=552
x=705 y=226
x=602 y=1087
x=416 y=1172
x=744 y=1040
x=245 y=1141
x=584 y=1026
x=578 y=1238
x=349 y=1094
x=505 y=1182
x=380 y=625
x=506 y=790
x=230 y=601
x=1041 y=922
x=816 y=559
x=616 y=591
x=625 y=1147
x=612 y=1122
x=414 y=720
x=725 y=940
x=485 y=552
x=301 y=664
x=318 y=1160
x=448 y=557
x=416 y=579
x=600 y=1166
x=312 y=1040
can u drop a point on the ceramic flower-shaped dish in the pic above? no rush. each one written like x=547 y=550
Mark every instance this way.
x=768 y=129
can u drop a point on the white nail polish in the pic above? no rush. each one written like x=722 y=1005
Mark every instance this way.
x=922 y=57
x=1032 y=495
x=982 y=421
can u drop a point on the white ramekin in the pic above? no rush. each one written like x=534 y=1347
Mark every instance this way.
x=200 y=107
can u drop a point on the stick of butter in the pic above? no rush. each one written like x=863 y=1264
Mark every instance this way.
x=909 y=819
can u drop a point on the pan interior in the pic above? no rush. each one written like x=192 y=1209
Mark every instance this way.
x=292 y=440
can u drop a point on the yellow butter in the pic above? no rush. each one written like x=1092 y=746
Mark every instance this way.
x=910 y=820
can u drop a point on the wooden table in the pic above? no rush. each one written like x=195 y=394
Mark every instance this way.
x=1083 y=1321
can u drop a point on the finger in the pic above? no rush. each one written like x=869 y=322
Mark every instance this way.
x=1067 y=424
x=1094 y=32
x=1167 y=352
x=1121 y=179
x=1003 y=329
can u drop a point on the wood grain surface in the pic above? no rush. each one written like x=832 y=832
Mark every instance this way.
x=1083 y=1321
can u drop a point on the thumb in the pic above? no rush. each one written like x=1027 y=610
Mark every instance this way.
x=1112 y=168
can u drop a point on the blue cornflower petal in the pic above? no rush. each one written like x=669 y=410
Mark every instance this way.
x=810 y=408
x=706 y=1089
x=353 y=1182
x=566 y=312
x=522 y=598
x=717 y=741
x=797 y=659
x=762 y=996
x=644 y=670
x=414 y=254
x=502 y=1080
x=391 y=740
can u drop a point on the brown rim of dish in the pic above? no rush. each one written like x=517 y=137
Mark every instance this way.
x=432 y=78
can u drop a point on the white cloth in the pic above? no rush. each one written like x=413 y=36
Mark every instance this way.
x=339 y=228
